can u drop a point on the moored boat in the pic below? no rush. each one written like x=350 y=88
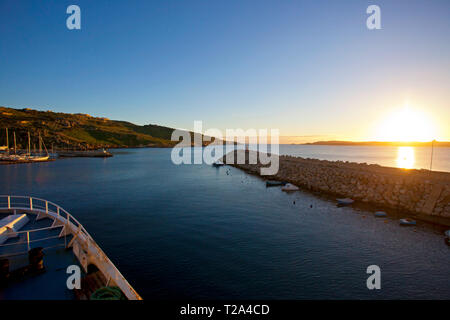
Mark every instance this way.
x=290 y=187
x=28 y=156
x=12 y=157
x=380 y=214
x=274 y=183
x=37 y=158
x=345 y=201
x=40 y=156
x=407 y=222
x=218 y=163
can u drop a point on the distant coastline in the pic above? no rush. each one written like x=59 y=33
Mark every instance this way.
x=378 y=143
x=85 y=132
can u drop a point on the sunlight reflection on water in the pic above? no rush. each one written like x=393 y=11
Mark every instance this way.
x=405 y=157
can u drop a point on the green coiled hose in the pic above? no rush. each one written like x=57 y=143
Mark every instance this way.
x=108 y=293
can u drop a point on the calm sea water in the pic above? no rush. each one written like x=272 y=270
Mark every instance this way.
x=401 y=157
x=195 y=231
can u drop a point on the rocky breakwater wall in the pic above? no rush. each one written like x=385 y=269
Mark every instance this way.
x=417 y=191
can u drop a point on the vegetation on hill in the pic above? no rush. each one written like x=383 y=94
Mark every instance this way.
x=81 y=131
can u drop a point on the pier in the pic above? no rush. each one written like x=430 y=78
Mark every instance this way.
x=420 y=192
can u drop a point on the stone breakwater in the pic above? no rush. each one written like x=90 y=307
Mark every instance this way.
x=420 y=192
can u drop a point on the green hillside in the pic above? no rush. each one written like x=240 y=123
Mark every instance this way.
x=64 y=130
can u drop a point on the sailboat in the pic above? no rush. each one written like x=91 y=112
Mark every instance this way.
x=5 y=148
x=11 y=157
x=39 y=157
x=28 y=157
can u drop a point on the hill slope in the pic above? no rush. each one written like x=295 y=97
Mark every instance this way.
x=78 y=130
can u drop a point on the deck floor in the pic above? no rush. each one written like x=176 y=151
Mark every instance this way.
x=49 y=285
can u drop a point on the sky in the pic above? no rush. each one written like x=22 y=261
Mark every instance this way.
x=311 y=69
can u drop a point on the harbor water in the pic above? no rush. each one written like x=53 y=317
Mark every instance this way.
x=204 y=232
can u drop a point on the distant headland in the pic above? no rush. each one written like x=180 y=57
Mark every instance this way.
x=78 y=131
x=380 y=143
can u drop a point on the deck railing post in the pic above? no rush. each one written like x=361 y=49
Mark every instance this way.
x=31 y=203
x=57 y=211
x=9 y=202
x=28 y=240
x=46 y=206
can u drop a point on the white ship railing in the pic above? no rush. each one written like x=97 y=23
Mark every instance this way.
x=28 y=241
x=70 y=225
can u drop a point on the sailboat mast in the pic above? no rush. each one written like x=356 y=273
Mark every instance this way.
x=15 y=148
x=29 y=143
x=40 y=143
x=7 y=141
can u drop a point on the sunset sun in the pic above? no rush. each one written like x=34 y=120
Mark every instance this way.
x=406 y=124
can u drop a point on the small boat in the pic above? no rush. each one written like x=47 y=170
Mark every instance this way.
x=273 y=183
x=290 y=187
x=218 y=164
x=407 y=222
x=345 y=201
x=37 y=158
x=380 y=214
x=16 y=158
x=12 y=157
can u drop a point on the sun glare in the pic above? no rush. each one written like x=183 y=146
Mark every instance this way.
x=406 y=124
x=405 y=157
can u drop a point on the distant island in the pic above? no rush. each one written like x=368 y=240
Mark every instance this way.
x=380 y=143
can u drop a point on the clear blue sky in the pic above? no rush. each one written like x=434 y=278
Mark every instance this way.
x=309 y=68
